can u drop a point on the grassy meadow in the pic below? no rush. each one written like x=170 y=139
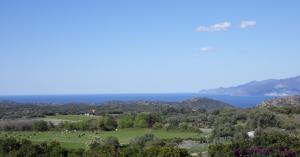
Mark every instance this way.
x=80 y=139
x=70 y=118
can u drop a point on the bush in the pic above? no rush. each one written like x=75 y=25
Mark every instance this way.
x=24 y=148
x=265 y=143
x=97 y=143
x=140 y=121
x=92 y=124
x=223 y=130
x=142 y=141
x=125 y=121
x=166 y=152
x=144 y=120
x=108 y=123
x=262 y=119
x=157 y=125
x=40 y=125
x=111 y=141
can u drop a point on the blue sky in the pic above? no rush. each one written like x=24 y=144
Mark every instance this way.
x=137 y=46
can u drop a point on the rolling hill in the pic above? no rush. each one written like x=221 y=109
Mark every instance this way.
x=284 y=101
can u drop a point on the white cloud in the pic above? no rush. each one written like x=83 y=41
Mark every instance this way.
x=247 y=24
x=207 y=49
x=215 y=27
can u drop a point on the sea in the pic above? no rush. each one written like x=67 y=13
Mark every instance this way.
x=238 y=101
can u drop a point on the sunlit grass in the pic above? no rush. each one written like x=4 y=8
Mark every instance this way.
x=81 y=139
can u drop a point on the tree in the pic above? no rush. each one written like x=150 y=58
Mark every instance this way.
x=109 y=147
x=128 y=151
x=140 y=121
x=142 y=141
x=157 y=151
x=56 y=150
x=125 y=121
x=110 y=123
x=111 y=141
x=220 y=150
x=91 y=124
x=40 y=125
x=262 y=119
x=157 y=125
x=223 y=130
x=151 y=119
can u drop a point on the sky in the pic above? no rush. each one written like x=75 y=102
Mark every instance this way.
x=139 y=46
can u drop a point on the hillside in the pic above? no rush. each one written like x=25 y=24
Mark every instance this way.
x=284 y=101
x=271 y=87
x=12 y=110
x=193 y=103
x=204 y=103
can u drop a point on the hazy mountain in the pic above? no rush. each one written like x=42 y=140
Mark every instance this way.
x=271 y=87
x=284 y=101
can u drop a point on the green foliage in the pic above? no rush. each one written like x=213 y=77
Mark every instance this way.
x=106 y=123
x=265 y=143
x=40 y=126
x=229 y=128
x=109 y=147
x=109 y=123
x=157 y=125
x=271 y=137
x=144 y=146
x=183 y=126
x=91 y=124
x=125 y=121
x=262 y=119
x=220 y=150
x=56 y=150
x=128 y=151
x=24 y=148
x=111 y=142
x=146 y=120
x=140 y=121
x=142 y=141
x=224 y=130
x=165 y=152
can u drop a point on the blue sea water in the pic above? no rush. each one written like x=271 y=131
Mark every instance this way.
x=238 y=101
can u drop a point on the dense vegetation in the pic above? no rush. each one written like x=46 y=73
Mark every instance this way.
x=222 y=130
x=269 y=143
x=143 y=146
x=13 y=110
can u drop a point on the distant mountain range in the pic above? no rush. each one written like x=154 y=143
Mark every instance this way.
x=271 y=87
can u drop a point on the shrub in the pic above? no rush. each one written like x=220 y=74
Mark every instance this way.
x=109 y=123
x=140 y=121
x=40 y=125
x=157 y=125
x=125 y=121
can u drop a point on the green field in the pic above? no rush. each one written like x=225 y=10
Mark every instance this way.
x=73 y=140
x=73 y=118
x=70 y=118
